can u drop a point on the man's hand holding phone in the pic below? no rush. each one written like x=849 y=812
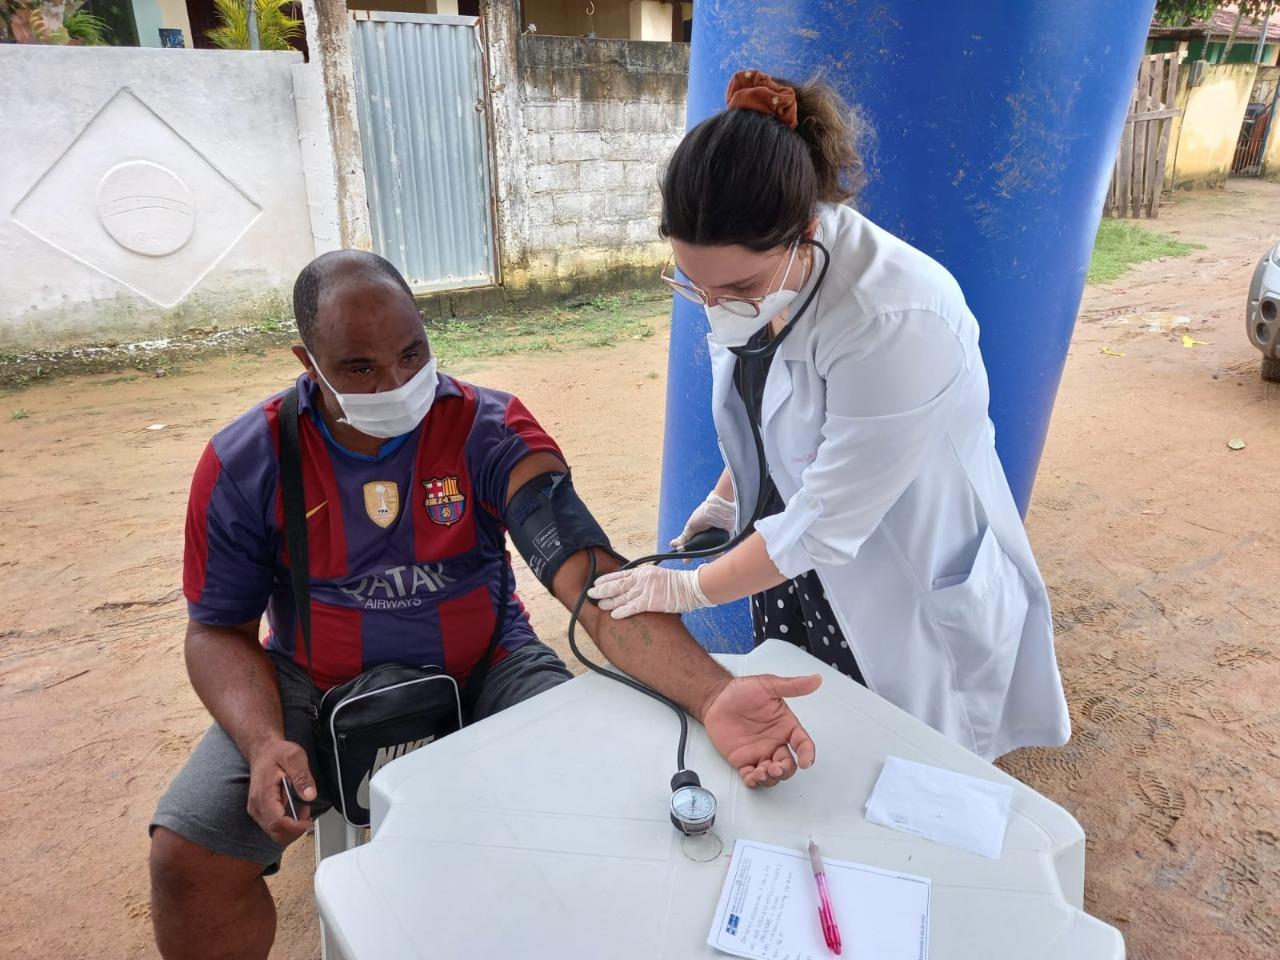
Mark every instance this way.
x=281 y=790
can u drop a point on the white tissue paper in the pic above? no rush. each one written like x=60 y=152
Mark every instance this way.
x=951 y=808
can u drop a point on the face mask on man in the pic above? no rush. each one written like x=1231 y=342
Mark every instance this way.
x=392 y=412
x=731 y=328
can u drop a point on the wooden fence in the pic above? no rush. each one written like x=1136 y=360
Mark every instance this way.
x=1139 y=170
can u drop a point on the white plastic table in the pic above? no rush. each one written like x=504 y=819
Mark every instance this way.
x=543 y=832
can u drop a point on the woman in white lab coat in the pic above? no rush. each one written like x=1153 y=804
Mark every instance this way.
x=888 y=543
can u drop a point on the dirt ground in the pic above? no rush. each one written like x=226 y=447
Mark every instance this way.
x=1158 y=542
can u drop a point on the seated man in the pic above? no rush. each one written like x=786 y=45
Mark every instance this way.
x=406 y=503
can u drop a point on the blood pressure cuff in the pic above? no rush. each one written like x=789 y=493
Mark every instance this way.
x=549 y=523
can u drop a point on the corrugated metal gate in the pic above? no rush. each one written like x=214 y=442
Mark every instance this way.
x=422 y=101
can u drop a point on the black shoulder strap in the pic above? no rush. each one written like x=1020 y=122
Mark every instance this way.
x=295 y=532
x=295 y=516
x=475 y=682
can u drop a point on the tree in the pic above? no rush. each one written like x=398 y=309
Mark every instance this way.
x=51 y=21
x=275 y=27
x=85 y=28
x=1178 y=13
x=1262 y=9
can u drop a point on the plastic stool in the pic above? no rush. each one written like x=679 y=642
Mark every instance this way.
x=334 y=835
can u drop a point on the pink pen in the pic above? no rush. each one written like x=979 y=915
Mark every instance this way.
x=830 y=932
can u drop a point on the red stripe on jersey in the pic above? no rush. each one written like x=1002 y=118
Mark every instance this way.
x=271 y=410
x=442 y=456
x=195 y=559
x=521 y=422
x=466 y=627
x=326 y=532
x=339 y=657
x=326 y=527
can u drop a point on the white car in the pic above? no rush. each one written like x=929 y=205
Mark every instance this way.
x=1262 y=316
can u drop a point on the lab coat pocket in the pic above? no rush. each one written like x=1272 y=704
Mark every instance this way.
x=980 y=619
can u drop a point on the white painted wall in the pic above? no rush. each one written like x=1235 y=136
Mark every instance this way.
x=147 y=191
x=317 y=156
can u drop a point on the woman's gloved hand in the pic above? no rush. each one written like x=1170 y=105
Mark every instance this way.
x=649 y=589
x=714 y=512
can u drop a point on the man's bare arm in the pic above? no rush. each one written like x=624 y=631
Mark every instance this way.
x=233 y=677
x=235 y=680
x=654 y=648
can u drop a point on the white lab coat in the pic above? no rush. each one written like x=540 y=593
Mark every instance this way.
x=877 y=436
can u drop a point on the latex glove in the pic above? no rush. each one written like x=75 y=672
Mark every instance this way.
x=714 y=512
x=649 y=589
x=753 y=728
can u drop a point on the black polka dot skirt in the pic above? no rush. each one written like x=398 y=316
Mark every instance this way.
x=798 y=611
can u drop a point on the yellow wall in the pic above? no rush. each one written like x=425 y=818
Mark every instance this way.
x=1202 y=142
x=1271 y=161
x=445 y=7
x=173 y=13
x=1268 y=79
x=651 y=20
x=568 y=18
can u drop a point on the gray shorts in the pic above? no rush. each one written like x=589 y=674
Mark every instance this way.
x=208 y=801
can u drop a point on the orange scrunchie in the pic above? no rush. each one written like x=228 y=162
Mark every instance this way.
x=753 y=90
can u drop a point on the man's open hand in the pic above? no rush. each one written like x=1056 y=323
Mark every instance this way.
x=751 y=725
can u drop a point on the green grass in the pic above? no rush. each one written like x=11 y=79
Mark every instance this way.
x=20 y=414
x=1121 y=244
x=600 y=322
x=587 y=322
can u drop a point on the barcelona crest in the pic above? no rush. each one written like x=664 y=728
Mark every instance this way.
x=445 y=505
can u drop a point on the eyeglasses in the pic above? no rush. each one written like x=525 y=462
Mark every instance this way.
x=738 y=306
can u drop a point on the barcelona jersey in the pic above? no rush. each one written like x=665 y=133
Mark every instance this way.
x=406 y=549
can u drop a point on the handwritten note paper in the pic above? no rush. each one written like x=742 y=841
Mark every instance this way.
x=768 y=908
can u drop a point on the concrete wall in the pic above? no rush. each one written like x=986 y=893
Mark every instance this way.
x=1202 y=142
x=146 y=191
x=596 y=121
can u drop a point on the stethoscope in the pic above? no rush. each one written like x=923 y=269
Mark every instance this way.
x=693 y=806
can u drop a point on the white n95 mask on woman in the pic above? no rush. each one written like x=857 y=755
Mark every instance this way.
x=732 y=329
x=389 y=413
